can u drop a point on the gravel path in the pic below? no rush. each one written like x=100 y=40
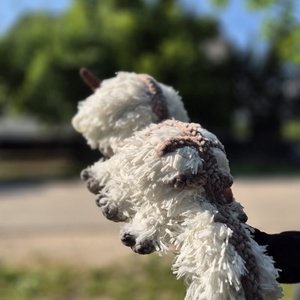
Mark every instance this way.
x=60 y=221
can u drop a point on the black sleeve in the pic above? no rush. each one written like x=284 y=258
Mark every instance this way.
x=285 y=249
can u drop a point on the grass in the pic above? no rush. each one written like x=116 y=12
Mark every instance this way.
x=54 y=281
x=46 y=280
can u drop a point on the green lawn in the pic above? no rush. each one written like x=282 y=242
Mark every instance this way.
x=149 y=280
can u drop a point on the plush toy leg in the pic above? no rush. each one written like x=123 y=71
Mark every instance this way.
x=130 y=238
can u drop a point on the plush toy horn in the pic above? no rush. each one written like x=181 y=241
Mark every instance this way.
x=90 y=79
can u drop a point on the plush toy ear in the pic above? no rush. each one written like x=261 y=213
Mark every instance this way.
x=90 y=79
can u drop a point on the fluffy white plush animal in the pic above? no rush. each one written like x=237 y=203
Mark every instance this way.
x=169 y=190
x=166 y=182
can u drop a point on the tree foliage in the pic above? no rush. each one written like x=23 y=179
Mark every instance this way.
x=281 y=26
x=41 y=55
x=260 y=93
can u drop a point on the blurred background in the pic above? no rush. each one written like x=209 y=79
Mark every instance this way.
x=236 y=65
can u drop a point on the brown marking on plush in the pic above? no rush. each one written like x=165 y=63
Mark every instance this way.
x=218 y=180
x=216 y=184
x=189 y=181
x=158 y=101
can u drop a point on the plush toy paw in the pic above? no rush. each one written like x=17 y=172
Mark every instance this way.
x=128 y=239
x=91 y=183
x=110 y=209
x=142 y=247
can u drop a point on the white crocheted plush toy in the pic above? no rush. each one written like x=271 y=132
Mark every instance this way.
x=166 y=181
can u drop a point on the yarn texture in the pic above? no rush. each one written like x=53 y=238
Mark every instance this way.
x=164 y=180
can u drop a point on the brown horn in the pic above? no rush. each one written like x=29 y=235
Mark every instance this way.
x=90 y=79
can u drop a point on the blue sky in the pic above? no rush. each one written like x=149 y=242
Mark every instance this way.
x=11 y=10
x=239 y=25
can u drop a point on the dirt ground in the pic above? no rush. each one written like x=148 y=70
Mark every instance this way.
x=60 y=221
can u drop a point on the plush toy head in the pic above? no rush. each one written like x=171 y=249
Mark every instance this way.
x=122 y=105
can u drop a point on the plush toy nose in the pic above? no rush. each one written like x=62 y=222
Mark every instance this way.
x=90 y=79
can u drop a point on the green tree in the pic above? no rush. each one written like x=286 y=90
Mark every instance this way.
x=41 y=55
x=265 y=88
x=267 y=93
x=281 y=26
x=260 y=93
